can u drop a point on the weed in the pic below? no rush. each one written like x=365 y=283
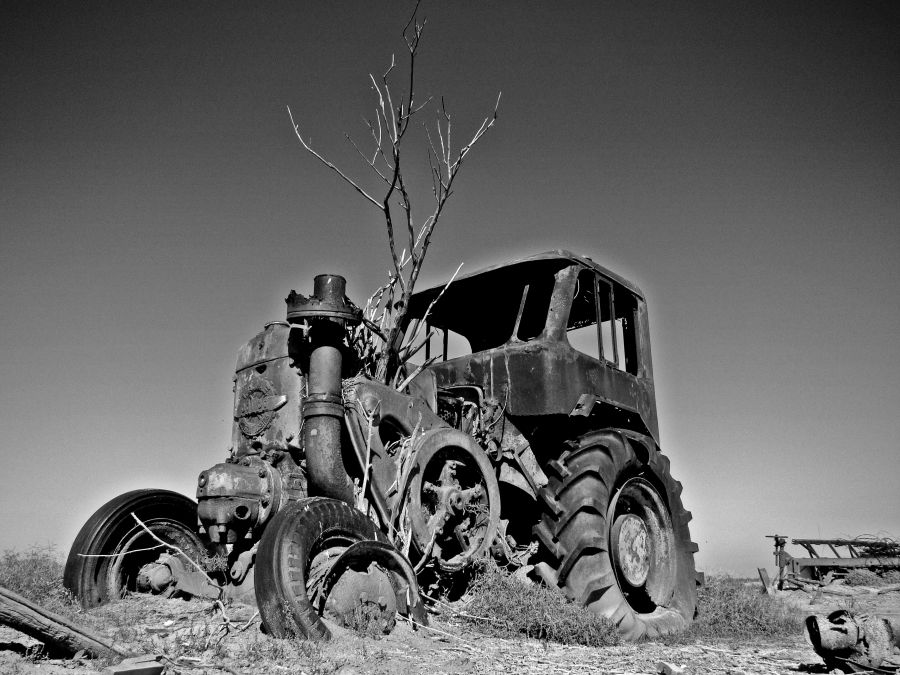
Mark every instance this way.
x=503 y=606
x=314 y=658
x=729 y=608
x=369 y=620
x=36 y=574
x=864 y=577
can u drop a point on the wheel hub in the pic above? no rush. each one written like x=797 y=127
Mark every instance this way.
x=363 y=600
x=632 y=549
x=452 y=501
x=641 y=545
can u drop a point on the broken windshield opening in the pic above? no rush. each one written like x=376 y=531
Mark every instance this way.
x=485 y=311
x=611 y=338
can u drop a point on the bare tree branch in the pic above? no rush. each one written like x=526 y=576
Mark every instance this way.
x=327 y=163
x=378 y=339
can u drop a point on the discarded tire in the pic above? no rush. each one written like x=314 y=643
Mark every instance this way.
x=111 y=547
x=294 y=556
x=616 y=535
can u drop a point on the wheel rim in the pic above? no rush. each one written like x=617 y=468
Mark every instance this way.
x=451 y=512
x=632 y=549
x=137 y=548
x=641 y=543
x=361 y=598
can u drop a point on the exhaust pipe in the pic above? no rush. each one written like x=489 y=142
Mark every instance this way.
x=328 y=313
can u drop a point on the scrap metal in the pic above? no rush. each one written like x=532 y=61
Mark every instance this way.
x=846 y=554
x=852 y=643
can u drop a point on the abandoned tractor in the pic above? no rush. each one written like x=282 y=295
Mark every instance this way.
x=519 y=423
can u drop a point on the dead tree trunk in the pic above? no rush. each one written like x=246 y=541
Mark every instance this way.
x=55 y=631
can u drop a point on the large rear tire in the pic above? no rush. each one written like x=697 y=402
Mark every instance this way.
x=111 y=548
x=294 y=555
x=616 y=535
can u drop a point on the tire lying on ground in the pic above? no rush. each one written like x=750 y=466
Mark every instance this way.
x=110 y=548
x=616 y=534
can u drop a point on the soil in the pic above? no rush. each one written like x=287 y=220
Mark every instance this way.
x=190 y=638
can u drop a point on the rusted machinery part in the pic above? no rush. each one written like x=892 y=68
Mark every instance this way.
x=111 y=548
x=363 y=597
x=615 y=535
x=328 y=311
x=291 y=557
x=453 y=499
x=358 y=443
x=849 y=642
x=171 y=574
x=408 y=598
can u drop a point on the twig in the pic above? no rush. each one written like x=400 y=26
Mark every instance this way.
x=173 y=547
x=116 y=555
x=370 y=417
x=416 y=624
x=181 y=553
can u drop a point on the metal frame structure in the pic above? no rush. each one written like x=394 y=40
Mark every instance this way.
x=817 y=566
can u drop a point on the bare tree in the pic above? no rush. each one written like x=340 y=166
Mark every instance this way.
x=381 y=335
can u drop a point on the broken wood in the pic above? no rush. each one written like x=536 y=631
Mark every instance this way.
x=55 y=631
x=766 y=582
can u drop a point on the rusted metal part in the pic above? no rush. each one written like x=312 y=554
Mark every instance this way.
x=850 y=642
x=856 y=555
x=394 y=416
x=361 y=448
x=363 y=598
x=328 y=301
x=170 y=575
x=234 y=498
x=267 y=395
x=326 y=313
x=453 y=498
x=408 y=598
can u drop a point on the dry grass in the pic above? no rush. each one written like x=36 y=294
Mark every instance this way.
x=728 y=609
x=737 y=609
x=503 y=606
x=36 y=574
x=864 y=577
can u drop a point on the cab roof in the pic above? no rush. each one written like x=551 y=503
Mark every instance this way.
x=560 y=255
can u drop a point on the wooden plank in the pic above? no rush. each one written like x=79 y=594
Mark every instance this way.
x=764 y=578
x=846 y=562
x=56 y=631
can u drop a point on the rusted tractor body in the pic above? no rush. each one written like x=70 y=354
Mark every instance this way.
x=520 y=424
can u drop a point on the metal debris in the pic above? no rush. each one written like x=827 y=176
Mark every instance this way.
x=858 y=553
x=852 y=642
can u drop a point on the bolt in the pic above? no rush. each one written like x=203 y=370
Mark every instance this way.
x=262 y=473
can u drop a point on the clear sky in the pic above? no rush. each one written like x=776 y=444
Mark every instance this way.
x=740 y=162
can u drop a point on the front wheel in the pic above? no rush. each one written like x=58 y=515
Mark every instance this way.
x=616 y=535
x=112 y=547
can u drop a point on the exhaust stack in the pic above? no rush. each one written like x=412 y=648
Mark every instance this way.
x=327 y=313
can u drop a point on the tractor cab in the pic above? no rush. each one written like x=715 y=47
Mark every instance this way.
x=552 y=334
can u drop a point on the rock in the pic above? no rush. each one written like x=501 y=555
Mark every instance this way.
x=348 y=670
x=137 y=665
x=665 y=668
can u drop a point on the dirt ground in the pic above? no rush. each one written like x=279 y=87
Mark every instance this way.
x=192 y=637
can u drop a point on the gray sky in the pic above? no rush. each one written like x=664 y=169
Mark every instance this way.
x=739 y=161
